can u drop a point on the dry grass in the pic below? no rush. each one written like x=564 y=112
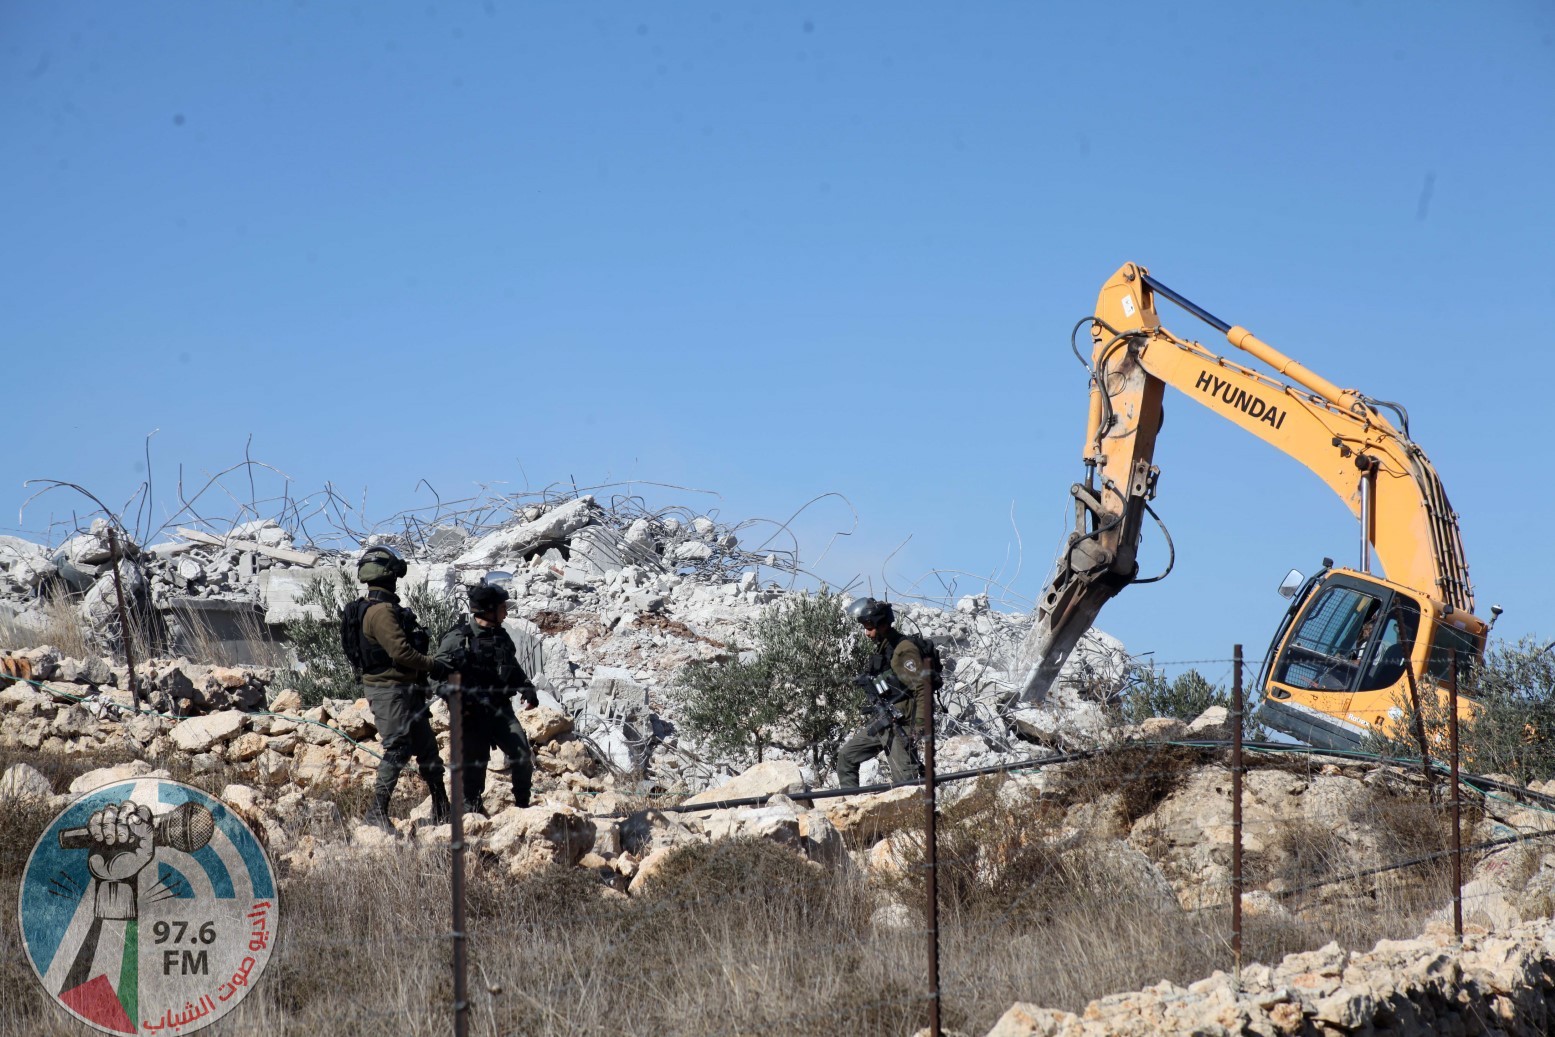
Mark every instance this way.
x=14 y=635
x=754 y=950
x=63 y=628
x=747 y=938
x=253 y=647
x=1140 y=776
x=73 y=637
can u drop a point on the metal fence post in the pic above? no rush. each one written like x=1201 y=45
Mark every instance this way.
x=124 y=617
x=1425 y=753
x=1457 y=815
x=456 y=843
x=1236 y=813
x=932 y=876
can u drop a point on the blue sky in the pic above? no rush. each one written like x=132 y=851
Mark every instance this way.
x=776 y=250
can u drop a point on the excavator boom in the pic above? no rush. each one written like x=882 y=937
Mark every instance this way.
x=1341 y=435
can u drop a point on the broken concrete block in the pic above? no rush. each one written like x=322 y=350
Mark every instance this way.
x=24 y=563
x=519 y=541
x=693 y=551
x=640 y=534
x=445 y=540
x=279 y=590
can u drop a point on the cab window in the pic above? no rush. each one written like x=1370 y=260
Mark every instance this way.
x=1329 y=643
x=1447 y=642
x=1387 y=657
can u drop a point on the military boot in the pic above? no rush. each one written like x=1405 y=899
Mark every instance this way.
x=521 y=788
x=378 y=813
x=440 y=805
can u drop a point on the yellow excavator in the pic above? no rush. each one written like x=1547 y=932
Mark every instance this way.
x=1354 y=645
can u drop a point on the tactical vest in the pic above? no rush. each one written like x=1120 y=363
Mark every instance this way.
x=880 y=663
x=488 y=665
x=369 y=657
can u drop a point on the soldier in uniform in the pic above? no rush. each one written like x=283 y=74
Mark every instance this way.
x=906 y=673
x=490 y=676
x=395 y=667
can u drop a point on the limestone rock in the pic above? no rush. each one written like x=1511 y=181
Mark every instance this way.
x=543 y=725
x=198 y=734
x=1213 y=723
x=287 y=701
x=1162 y=729
x=312 y=765
x=541 y=836
x=108 y=775
x=246 y=746
x=863 y=820
x=823 y=844
x=1027 y=1020
x=355 y=720
x=22 y=781
x=764 y=779
x=648 y=869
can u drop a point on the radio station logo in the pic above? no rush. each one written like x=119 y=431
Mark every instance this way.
x=148 y=907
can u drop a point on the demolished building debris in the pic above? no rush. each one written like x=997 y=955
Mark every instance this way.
x=611 y=601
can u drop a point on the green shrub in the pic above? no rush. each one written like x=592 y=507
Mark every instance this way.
x=1512 y=732
x=732 y=707
x=325 y=673
x=1148 y=693
x=1186 y=696
x=797 y=693
x=438 y=611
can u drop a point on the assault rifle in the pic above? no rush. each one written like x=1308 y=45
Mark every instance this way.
x=883 y=695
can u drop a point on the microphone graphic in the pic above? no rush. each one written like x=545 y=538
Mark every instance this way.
x=187 y=827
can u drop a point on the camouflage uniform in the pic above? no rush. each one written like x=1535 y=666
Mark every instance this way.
x=897 y=658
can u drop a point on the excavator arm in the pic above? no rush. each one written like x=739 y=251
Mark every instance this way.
x=1339 y=434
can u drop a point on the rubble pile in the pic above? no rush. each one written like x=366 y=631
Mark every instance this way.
x=608 y=608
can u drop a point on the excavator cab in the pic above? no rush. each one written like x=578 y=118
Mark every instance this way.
x=1352 y=650
x=1355 y=650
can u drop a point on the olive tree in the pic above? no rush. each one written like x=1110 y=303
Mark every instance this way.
x=795 y=693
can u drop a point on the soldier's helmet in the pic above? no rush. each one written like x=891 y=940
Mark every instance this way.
x=380 y=563
x=485 y=597
x=868 y=611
